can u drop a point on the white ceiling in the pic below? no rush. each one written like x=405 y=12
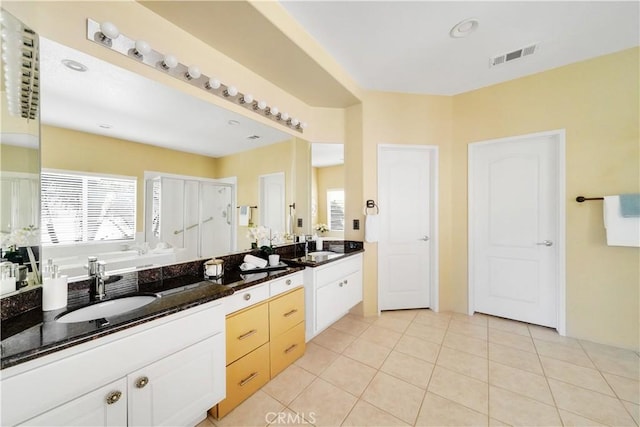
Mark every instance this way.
x=139 y=109
x=403 y=46
x=323 y=155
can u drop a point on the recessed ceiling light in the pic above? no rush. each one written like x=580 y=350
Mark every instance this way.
x=105 y=126
x=464 y=28
x=233 y=122
x=74 y=65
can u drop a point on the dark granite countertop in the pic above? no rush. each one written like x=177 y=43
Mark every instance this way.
x=36 y=333
x=339 y=251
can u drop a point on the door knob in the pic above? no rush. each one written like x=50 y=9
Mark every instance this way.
x=545 y=243
x=425 y=239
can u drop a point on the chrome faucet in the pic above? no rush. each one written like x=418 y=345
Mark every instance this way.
x=97 y=273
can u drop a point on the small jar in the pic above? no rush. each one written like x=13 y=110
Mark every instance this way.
x=213 y=269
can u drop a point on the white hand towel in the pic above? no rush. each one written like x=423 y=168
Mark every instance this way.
x=620 y=231
x=371 y=228
x=243 y=216
x=258 y=262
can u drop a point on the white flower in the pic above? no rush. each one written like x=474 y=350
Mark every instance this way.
x=26 y=236
x=322 y=228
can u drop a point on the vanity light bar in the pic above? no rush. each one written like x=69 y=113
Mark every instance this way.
x=21 y=73
x=107 y=35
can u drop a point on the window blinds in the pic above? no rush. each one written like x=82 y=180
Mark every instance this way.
x=86 y=208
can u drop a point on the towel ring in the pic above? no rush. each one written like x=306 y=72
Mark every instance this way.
x=370 y=205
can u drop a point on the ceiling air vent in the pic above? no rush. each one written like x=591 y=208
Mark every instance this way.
x=254 y=137
x=512 y=56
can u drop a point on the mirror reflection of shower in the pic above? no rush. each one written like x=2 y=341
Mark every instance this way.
x=203 y=225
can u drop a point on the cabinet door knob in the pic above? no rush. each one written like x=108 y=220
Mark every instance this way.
x=341 y=284
x=288 y=282
x=142 y=382
x=346 y=281
x=247 y=297
x=113 y=397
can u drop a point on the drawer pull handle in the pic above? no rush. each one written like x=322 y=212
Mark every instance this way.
x=290 y=349
x=113 y=397
x=294 y=311
x=249 y=378
x=288 y=282
x=142 y=382
x=248 y=334
x=247 y=297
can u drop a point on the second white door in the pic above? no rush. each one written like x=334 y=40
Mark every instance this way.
x=514 y=220
x=407 y=267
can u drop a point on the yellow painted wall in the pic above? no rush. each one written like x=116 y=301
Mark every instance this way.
x=79 y=151
x=390 y=118
x=597 y=102
x=19 y=159
x=331 y=177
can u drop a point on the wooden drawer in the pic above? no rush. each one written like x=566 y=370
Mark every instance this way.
x=246 y=331
x=285 y=284
x=285 y=312
x=286 y=348
x=245 y=377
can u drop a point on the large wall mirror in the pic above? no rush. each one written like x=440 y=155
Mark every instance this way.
x=142 y=174
x=19 y=155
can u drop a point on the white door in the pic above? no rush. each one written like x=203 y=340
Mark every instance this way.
x=407 y=249
x=272 y=202
x=514 y=223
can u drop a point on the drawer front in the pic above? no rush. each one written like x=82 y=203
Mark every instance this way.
x=286 y=348
x=247 y=331
x=246 y=297
x=285 y=312
x=245 y=377
x=338 y=270
x=285 y=284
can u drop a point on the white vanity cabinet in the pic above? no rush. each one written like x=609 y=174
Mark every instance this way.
x=170 y=391
x=90 y=409
x=169 y=371
x=331 y=291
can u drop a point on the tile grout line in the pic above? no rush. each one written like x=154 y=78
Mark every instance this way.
x=435 y=364
x=607 y=382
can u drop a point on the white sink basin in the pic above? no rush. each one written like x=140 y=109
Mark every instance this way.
x=321 y=253
x=106 y=309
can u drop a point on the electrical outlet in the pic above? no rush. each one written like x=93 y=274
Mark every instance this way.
x=299 y=222
x=356 y=224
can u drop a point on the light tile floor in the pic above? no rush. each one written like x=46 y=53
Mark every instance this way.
x=417 y=367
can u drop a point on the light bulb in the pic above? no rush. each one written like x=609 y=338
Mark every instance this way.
x=247 y=99
x=231 y=91
x=284 y=116
x=193 y=72
x=303 y=125
x=262 y=105
x=274 y=111
x=169 y=61
x=142 y=48
x=213 y=84
x=109 y=30
x=294 y=122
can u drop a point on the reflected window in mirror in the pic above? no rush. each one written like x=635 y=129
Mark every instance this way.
x=79 y=208
x=335 y=209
